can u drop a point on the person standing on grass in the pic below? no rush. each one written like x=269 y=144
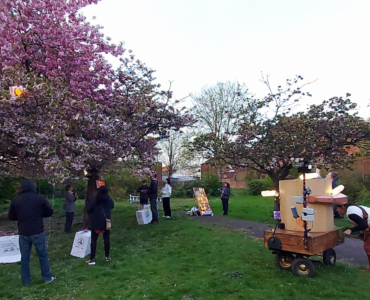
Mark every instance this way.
x=69 y=207
x=225 y=194
x=333 y=176
x=153 y=195
x=99 y=210
x=29 y=208
x=166 y=194
x=359 y=216
x=143 y=194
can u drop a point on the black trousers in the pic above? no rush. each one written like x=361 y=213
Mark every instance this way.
x=69 y=221
x=166 y=206
x=225 y=205
x=94 y=239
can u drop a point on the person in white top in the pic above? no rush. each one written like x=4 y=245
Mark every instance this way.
x=359 y=216
x=166 y=194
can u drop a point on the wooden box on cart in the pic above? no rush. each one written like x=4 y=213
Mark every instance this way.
x=292 y=241
x=324 y=219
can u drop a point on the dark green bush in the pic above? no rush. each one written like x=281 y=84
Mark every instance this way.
x=356 y=186
x=123 y=184
x=256 y=186
x=185 y=189
x=9 y=187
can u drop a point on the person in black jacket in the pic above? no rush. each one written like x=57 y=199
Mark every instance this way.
x=69 y=207
x=99 y=210
x=153 y=195
x=225 y=194
x=143 y=194
x=29 y=209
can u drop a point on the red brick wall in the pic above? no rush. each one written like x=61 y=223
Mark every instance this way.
x=159 y=171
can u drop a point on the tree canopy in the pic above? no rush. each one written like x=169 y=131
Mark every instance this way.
x=272 y=139
x=217 y=109
x=78 y=112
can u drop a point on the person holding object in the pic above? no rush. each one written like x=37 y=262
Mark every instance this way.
x=225 y=194
x=153 y=195
x=99 y=210
x=166 y=194
x=359 y=215
x=69 y=207
x=143 y=194
x=29 y=208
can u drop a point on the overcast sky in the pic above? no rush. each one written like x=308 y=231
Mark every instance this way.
x=200 y=42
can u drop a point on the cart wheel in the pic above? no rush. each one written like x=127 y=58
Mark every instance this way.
x=303 y=267
x=329 y=257
x=284 y=261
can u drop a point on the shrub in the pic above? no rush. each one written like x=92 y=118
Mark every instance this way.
x=356 y=185
x=122 y=184
x=9 y=187
x=209 y=182
x=256 y=186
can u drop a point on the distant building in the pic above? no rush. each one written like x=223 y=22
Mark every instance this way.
x=184 y=175
x=236 y=177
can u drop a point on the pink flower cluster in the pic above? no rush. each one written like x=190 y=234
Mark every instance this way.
x=79 y=112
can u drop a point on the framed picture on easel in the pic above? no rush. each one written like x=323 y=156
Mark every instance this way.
x=202 y=200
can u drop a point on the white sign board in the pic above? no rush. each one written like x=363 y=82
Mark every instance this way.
x=9 y=249
x=81 y=244
x=144 y=216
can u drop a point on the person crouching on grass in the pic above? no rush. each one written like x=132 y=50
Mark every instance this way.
x=359 y=215
x=99 y=211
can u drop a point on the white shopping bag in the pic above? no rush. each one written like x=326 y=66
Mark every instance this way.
x=81 y=244
x=9 y=249
x=144 y=216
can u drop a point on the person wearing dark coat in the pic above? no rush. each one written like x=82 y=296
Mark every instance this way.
x=153 y=195
x=29 y=208
x=99 y=210
x=143 y=193
x=69 y=207
x=225 y=194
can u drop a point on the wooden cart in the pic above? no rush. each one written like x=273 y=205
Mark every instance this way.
x=290 y=253
x=288 y=244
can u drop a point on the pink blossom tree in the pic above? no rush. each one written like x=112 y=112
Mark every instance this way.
x=79 y=112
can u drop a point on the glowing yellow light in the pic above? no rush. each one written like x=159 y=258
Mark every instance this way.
x=17 y=91
x=309 y=176
x=268 y=193
x=85 y=172
x=337 y=190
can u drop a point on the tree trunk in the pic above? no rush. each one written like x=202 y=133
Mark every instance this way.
x=275 y=179
x=276 y=184
x=91 y=192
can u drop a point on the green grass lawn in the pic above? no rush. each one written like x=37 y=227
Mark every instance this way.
x=176 y=259
x=241 y=206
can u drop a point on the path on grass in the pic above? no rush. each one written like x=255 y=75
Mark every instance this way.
x=351 y=252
